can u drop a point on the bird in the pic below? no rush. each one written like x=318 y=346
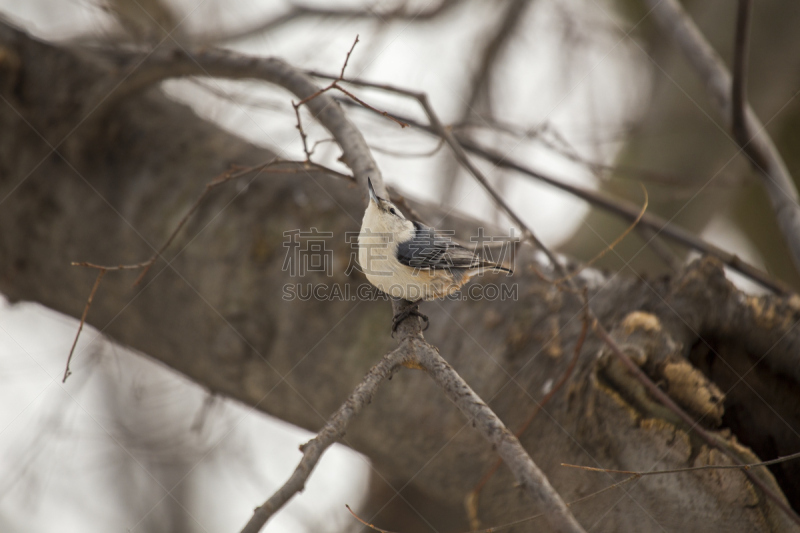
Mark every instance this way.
x=406 y=259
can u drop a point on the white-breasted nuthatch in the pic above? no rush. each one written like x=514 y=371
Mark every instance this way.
x=406 y=259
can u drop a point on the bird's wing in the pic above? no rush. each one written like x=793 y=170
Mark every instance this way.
x=428 y=251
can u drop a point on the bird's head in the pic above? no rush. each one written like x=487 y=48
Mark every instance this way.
x=382 y=216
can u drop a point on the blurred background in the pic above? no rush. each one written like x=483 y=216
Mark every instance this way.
x=586 y=91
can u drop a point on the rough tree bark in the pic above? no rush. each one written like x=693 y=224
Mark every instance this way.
x=109 y=189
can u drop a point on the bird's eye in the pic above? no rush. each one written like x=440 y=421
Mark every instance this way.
x=392 y=211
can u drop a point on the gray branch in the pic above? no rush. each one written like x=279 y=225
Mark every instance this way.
x=333 y=430
x=528 y=476
x=167 y=63
x=757 y=144
x=414 y=351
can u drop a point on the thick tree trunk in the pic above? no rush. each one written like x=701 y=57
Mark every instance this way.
x=76 y=186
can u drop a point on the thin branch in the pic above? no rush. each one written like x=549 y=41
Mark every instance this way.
x=347 y=58
x=299 y=127
x=333 y=431
x=335 y=85
x=621 y=208
x=414 y=352
x=779 y=460
x=89 y=300
x=753 y=138
x=166 y=63
x=527 y=475
x=611 y=246
x=219 y=180
x=145 y=266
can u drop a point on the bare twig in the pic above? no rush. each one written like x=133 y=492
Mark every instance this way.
x=611 y=246
x=335 y=85
x=414 y=352
x=779 y=460
x=219 y=180
x=97 y=280
x=621 y=208
x=299 y=127
x=752 y=137
x=145 y=266
x=333 y=430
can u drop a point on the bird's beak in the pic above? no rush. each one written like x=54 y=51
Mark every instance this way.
x=372 y=195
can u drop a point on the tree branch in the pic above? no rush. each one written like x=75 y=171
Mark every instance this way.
x=753 y=138
x=357 y=156
x=739 y=86
x=163 y=64
x=333 y=430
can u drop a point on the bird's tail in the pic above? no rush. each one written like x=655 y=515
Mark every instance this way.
x=495 y=267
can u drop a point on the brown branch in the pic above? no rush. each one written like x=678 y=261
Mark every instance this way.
x=561 y=146
x=755 y=142
x=335 y=85
x=621 y=208
x=97 y=280
x=332 y=431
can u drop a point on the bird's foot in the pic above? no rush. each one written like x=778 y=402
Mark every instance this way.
x=412 y=310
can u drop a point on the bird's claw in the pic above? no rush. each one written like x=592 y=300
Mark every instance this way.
x=407 y=312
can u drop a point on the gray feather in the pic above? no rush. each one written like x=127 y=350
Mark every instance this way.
x=428 y=251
